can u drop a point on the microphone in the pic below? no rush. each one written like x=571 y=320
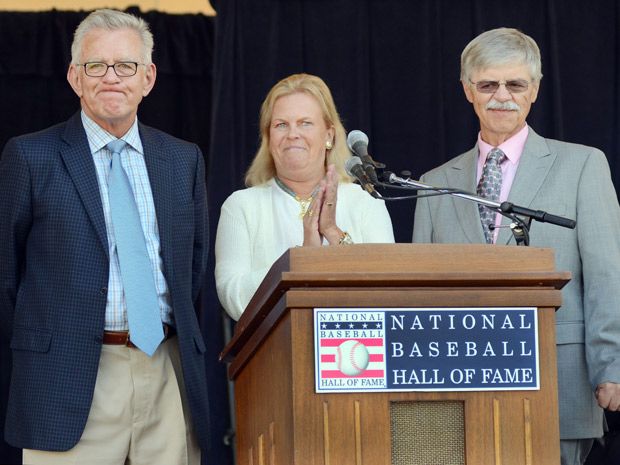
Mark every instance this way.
x=538 y=215
x=354 y=168
x=358 y=144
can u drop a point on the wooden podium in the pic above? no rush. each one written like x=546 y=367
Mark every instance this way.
x=282 y=421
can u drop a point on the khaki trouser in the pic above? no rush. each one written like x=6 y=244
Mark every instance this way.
x=138 y=416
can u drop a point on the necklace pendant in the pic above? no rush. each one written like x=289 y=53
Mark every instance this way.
x=303 y=206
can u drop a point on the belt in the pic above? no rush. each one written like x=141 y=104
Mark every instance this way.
x=121 y=338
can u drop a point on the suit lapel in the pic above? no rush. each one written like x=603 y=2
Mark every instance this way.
x=462 y=175
x=81 y=167
x=161 y=175
x=534 y=166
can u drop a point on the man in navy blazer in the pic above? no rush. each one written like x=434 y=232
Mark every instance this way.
x=80 y=391
x=500 y=74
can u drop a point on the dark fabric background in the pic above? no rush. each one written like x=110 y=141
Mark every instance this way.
x=392 y=65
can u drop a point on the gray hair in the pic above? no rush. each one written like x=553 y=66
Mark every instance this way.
x=112 y=20
x=503 y=46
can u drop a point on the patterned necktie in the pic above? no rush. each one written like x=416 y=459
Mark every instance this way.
x=489 y=187
x=143 y=314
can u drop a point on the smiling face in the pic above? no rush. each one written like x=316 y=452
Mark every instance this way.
x=297 y=137
x=502 y=114
x=112 y=101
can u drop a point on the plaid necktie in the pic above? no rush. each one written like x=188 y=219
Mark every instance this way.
x=489 y=187
x=143 y=314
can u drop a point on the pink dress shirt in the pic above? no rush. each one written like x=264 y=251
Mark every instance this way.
x=513 y=148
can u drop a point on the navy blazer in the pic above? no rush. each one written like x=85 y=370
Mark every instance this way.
x=54 y=275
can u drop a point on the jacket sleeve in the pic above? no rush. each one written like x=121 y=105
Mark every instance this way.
x=238 y=271
x=201 y=233
x=377 y=222
x=598 y=223
x=16 y=218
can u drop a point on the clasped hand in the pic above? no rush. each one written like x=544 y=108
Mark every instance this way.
x=320 y=219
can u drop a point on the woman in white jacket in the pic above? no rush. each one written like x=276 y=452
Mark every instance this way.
x=298 y=192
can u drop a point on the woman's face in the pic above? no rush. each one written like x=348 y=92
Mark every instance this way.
x=297 y=137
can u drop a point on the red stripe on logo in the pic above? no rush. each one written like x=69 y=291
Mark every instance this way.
x=339 y=374
x=376 y=342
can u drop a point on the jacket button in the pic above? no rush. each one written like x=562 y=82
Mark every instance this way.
x=99 y=338
x=103 y=291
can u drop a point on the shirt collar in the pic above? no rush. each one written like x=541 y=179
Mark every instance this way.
x=512 y=147
x=98 y=137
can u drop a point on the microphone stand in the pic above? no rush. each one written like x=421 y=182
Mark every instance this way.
x=520 y=228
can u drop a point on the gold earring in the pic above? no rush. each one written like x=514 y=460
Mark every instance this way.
x=329 y=145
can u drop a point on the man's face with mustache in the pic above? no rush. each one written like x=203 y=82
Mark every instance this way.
x=502 y=113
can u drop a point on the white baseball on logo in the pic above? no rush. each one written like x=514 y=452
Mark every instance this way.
x=352 y=357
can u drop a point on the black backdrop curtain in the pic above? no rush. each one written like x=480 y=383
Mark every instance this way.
x=392 y=65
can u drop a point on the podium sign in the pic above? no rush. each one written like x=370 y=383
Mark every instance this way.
x=426 y=349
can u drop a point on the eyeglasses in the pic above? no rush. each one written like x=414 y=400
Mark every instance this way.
x=514 y=86
x=121 y=68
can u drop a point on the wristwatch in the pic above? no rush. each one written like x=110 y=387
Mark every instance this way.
x=345 y=239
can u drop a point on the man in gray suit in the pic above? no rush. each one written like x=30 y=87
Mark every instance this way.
x=500 y=74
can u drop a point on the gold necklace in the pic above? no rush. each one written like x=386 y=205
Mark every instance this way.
x=304 y=204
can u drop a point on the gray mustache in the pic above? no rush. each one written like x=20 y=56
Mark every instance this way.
x=495 y=105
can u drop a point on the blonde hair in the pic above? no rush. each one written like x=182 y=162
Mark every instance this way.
x=263 y=167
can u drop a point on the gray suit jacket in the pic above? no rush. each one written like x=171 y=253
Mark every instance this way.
x=568 y=180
